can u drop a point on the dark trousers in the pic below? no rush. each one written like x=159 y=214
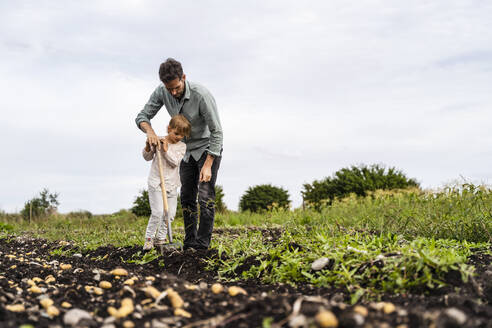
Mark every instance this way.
x=191 y=189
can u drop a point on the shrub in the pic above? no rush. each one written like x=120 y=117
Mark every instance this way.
x=80 y=214
x=219 y=199
x=356 y=179
x=141 y=204
x=264 y=197
x=41 y=206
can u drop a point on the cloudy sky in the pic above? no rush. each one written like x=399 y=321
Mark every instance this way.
x=304 y=88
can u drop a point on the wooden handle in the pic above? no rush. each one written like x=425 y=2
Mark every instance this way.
x=163 y=185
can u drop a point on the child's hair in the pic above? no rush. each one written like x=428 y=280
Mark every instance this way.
x=181 y=124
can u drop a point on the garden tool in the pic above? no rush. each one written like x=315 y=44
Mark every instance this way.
x=170 y=244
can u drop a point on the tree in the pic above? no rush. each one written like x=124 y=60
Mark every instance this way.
x=264 y=197
x=41 y=206
x=141 y=204
x=219 y=199
x=356 y=179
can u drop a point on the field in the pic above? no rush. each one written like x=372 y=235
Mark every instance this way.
x=391 y=259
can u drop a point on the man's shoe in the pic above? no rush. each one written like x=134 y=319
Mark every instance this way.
x=149 y=243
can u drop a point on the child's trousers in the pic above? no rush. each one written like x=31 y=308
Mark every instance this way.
x=157 y=223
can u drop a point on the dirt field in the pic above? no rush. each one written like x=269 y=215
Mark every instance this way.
x=26 y=263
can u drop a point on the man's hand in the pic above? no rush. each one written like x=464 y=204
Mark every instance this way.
x=152 y=138
x=147 y=146
x=206 y=171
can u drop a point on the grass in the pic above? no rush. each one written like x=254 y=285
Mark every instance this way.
x=385 y=242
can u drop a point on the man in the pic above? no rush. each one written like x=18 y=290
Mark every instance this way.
x=199 y=167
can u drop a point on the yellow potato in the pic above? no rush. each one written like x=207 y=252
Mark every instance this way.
x=46 y=302
x=361 y=310
x=174 y=298
x=235 y=290
x=52 y=311
x=66 y=305
x=152 y=292
x=105 y=284
x=182 y=313
x=49 y=279
x=389 y=308
x=35 y=289
x=217 y=288
x=326 y=319
x=98 y=291
x=15 y=308
x=119 y=272
x=65 y=266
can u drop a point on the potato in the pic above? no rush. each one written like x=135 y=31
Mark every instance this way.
x=66 y=305
x=235 y=290
x=52 y=311
x=174 y=298
x=65 y=266
x=46 y=302
x=182 y=313
x=105 y=284
x=15 y=308
x=217 y=288
x=119 y=272
x=152 y=292
x=326 y=319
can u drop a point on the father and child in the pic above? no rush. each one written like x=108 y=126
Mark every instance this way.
x=172 y=151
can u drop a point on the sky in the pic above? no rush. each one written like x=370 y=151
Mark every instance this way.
x=303 y=88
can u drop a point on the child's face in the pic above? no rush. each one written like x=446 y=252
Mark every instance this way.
x=174 y=135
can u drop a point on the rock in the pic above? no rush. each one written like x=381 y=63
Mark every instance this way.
x=298 y=321
x=73 y=316
x=451 y=317
x=158 y=324
x=77 y=255
x=320 y=263
x=203 y=285
x=351 y=319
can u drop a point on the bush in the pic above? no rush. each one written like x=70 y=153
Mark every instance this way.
x=80 y=214
x=43 y=205
x=356 y=179
x=141 y=205
x=219 y=199
x=264 y=197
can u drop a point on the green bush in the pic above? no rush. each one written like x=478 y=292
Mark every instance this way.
x=80 y=214
x=41 y=206
x=264 y=197
x=219 y=200
x=141 y=204
x=356 y=179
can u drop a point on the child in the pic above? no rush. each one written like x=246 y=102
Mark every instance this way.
x=172 y=151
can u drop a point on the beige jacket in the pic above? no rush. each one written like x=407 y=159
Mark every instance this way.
x=170 y=165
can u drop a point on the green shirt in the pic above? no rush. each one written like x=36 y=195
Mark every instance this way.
x=198 y=106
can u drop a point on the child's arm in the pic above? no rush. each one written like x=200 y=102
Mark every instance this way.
x=174 y=155
x=148 y=153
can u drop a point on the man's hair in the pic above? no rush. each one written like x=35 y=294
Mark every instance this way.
x=170 y=70
x=181 y=124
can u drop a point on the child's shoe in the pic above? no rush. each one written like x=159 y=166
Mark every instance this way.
x=159 y=242
x=148 y=244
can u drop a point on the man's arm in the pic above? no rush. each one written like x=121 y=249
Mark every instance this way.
x=150 y=109
x=208 y=109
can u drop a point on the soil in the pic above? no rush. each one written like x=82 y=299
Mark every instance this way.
x=23 y=258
